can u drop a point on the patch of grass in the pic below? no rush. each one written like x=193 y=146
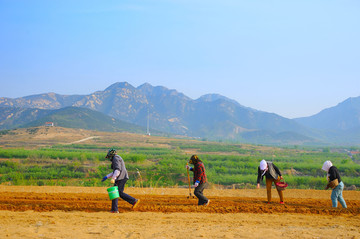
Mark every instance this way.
x=161 y=162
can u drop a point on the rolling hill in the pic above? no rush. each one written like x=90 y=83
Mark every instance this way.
x=211 y=116
x=342 y=117
x=71 y=117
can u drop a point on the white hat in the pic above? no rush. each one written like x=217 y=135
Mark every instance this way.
x=326 y=166
x=263 y=165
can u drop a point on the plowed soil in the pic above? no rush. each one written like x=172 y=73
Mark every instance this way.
x=172 y=213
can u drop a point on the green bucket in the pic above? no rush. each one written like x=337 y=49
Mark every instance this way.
x=113 y=192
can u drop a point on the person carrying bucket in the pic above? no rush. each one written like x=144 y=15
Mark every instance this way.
x=272 y=174
x=335 y=183
x=119 y=176
x=200 y=180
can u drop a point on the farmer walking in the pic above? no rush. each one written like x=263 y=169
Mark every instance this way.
x=119 y=176
x=335 y=183
x=272 y=174
x=200 y=180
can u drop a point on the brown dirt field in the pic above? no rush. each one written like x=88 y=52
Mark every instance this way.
x=79 y=212
x=38 y=137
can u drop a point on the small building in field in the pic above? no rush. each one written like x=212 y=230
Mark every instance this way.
x=49 y=124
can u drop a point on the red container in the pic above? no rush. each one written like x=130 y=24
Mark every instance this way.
x=281 y=185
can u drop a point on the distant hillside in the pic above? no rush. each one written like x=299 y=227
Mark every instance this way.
x=14 y=117
x=212 y=116
x=344 y=116
x=72 y=117
x=41 y=101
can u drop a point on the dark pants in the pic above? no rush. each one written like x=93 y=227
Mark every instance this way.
x=121 y=185
x=199 y=194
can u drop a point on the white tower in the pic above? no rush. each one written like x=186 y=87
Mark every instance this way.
x=148 y=118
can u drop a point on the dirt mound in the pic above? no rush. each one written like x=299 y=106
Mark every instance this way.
x=83 y=212
x=99 y=202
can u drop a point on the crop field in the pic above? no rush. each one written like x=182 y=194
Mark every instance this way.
x=61 y=212
x=65 y=157
x=51 y=185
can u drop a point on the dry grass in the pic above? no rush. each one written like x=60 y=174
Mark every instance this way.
x=33 y=138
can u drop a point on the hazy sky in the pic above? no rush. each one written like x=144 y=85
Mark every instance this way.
x=289 y=57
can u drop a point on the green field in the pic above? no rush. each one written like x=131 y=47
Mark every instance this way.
x=230 y=165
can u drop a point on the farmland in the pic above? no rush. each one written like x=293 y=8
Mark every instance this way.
x=62 y=212
x=51 y=186
x=59 y=157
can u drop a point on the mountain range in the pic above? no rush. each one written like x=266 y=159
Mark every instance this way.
x=122 y=107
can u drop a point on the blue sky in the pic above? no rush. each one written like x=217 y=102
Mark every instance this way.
x=293 y=58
